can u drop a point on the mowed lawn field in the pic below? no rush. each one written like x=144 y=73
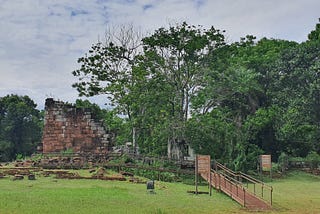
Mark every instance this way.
x=297 y=193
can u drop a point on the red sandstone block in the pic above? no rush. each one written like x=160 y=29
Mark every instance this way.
x=78 y=132
x=68 y=141
x=67 y=132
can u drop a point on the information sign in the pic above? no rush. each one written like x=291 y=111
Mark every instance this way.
x=265 y=161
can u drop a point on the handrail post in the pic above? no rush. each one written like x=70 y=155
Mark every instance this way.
x=244 y=197
x=219 y=182
x=237 y=191
x=271 y=196
x=210 y=183
x=262 y=190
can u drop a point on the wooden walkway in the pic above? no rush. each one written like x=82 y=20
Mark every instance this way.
x=238 y=191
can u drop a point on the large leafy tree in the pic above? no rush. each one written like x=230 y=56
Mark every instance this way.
x=151 y=87
x=178 y=55
x=297 y=92
x=237 y=88
x=213 y=133
x=20 y=126
x=261 y=121
x=315 y=34
x=108 y=69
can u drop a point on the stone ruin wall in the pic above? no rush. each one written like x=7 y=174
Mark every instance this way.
x=75 y=129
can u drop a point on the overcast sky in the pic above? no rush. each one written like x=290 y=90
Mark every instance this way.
x=41 y=40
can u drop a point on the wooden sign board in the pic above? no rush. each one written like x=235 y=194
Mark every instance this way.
x=203 y=164
x=265 y=162
x=203 y=167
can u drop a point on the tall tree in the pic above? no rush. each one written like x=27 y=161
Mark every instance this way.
x=20 y=126
x=108 y=69
x=178 y=54
x=237 y=87
x=152 y=85
x=315 y=34
x=296 y=91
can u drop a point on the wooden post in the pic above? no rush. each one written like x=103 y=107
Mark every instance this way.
x=203 y=167
x=237 y=191
x=244 y=197
x=196 y=174
x=215 y=181
x=271 y=196
x=210 y=184
x=219 y=182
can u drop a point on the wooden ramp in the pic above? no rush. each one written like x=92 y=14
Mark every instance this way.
x=231 y=184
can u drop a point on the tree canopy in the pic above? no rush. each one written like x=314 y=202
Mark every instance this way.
x=231 y=100
x=185 y=83
x=20 y=126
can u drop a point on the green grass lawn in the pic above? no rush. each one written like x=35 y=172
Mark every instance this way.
x=298 y=193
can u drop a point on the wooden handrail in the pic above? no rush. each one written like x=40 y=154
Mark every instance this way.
x=243 y=175
x=233 y=183
x=235 y=176
x=225 y=168
x=254 y=180
x=227 y=176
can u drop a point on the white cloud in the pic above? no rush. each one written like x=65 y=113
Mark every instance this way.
x=40 y=41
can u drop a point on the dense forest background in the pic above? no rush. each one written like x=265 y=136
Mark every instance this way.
x=232 y=100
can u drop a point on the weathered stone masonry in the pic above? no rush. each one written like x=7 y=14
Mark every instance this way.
x=69 y=128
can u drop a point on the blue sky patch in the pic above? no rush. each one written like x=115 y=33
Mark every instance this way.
x=79 y=12
x=147 y=6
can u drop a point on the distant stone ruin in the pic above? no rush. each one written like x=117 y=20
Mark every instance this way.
x=180 y=150
x=67 y=128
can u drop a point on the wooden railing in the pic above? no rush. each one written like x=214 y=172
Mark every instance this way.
x=251 y=184
x=230 y=186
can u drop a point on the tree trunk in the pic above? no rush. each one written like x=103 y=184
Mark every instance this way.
x=134 y=144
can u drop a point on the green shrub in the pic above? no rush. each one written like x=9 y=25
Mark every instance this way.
x=19 y=157
x=36 y=157
x=297 y=159
x=314 y=159
x=283 y=162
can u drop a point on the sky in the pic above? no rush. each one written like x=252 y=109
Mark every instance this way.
x=41 y=40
